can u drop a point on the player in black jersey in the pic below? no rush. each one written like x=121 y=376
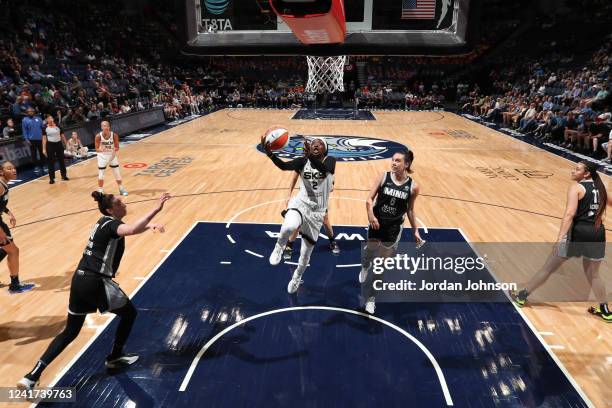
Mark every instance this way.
x=8 y=247
x=390 y=200
x=93 y=287
x=582 y=234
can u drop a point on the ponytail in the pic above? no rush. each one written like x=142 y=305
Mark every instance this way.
x=105 y=201
x=603 y=194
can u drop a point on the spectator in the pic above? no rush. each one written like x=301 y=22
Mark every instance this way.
x=9 y=130
x=125 y=107
x=32 y=127
x=93 y=113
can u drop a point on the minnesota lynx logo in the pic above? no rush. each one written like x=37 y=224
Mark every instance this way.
x=344 y=148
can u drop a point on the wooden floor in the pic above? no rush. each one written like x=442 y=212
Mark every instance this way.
x=228 y=175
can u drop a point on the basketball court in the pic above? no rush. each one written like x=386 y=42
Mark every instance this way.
x=216 y=326
x=216 y=323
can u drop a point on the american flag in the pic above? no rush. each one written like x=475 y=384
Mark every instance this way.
x=418 y=9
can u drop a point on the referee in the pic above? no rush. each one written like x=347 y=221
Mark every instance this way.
x=93 y=287
x=53 y=142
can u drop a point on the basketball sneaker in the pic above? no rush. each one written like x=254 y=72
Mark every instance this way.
x=295 y=282
x=122 y=360
x=334 y=247
x=276 y=255
x=363 y=274
x=604 y=314
x=370 y=305
x=27 y=383
x=287 y=253
x=123 y=191
x=519 y=298
x=21 y=288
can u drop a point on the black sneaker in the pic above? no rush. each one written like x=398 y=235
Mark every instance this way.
x=21 y=288
x=65 y=178
x=596 y=310
x=334 y=247
x=51 y=181
x=123 y=360
x=518 y=298
x=287 y=252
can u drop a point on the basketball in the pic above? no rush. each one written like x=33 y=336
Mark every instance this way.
x=276 y=137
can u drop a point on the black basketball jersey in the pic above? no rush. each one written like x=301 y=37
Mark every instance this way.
x=4 y=197
x=589 y=204
x=392 y=200
x=104 y=249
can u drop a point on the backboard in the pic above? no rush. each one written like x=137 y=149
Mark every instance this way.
x=374 y=27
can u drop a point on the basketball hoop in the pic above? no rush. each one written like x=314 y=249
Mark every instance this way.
x=325 y=74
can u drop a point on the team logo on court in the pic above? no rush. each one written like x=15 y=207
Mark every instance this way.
x=343 y=148
x=216 y=6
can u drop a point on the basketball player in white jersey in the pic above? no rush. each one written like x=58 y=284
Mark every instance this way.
x=107 y=147
x=306 y=210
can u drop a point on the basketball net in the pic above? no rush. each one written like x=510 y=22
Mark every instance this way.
x=325 y=74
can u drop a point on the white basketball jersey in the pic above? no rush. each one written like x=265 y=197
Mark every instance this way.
x=107 y=145
x=315 y=186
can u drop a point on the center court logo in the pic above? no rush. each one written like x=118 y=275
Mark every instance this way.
x=343 y=148
x=216 y=6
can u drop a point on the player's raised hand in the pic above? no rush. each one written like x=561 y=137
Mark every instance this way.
x=265 y=145
x=162 y=200
x=306 y=147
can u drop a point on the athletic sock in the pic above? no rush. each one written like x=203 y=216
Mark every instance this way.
x=34 y=375
x=14 y=280
x=290 y=244
x=603 y=307
x=523 y=294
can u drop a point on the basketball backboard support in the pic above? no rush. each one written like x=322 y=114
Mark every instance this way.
x=374 y=27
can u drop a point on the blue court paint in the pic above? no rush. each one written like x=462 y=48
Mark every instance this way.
x=334 y=114
x=309 y=358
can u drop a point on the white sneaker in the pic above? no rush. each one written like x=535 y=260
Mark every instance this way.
x=294 y=283
x=276 y=255
x=121 y=361
x=370 y=305
x=363 y=274
x=123 y=191
x=101 y=190
x=26 y=384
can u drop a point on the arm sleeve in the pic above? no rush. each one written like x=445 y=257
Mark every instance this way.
x=295 y=164
x=113 y=226
x=328 y=165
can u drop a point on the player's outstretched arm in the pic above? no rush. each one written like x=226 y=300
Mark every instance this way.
x=143 y=223
x=295 y=164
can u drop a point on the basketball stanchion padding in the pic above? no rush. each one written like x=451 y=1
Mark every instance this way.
x=313 y=22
